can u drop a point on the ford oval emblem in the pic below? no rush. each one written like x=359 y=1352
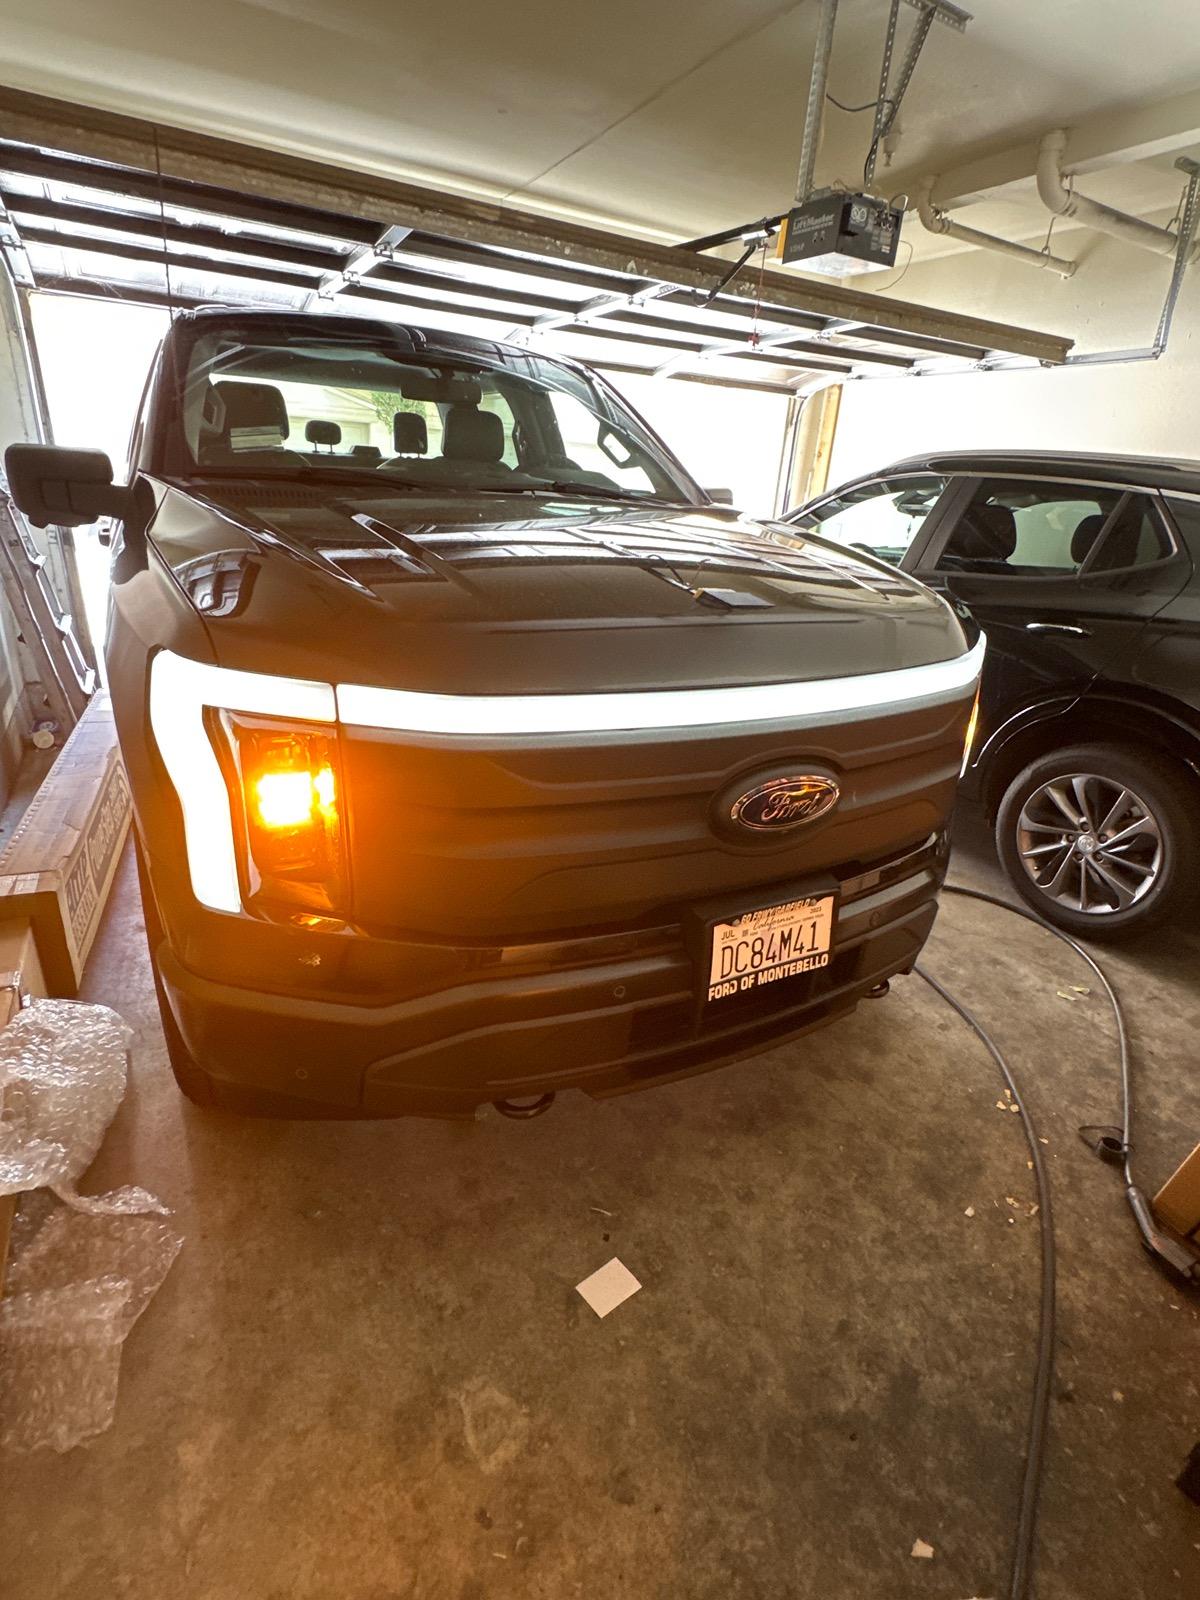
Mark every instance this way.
x=785 y=803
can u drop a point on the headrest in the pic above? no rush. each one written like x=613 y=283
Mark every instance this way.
x=472 y=435
x=986 y=533
x=366 y=452
x=1085 y=536
x=318 y=431
x=255 y=417
x=410 y=436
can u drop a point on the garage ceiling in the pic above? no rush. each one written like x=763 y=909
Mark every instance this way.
x=632 y=114
x=92 y=200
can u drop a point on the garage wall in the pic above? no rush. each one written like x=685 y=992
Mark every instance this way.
x=19 y=423
x=1112 y=302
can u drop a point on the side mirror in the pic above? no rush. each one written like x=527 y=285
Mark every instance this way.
x=68 y=487
x=720 y=497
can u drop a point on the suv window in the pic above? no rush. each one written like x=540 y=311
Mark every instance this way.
x=882 y=518
x=1019 y=528
x=1135 y=538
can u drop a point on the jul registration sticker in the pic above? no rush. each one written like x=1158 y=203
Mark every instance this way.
x=762 y=947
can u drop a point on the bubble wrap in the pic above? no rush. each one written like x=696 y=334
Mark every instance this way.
x=83 y=1272
x=62 y=1077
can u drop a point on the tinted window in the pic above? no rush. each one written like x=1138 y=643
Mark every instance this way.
x=882 y=518
x=1018 y=528
x=1186 y=514
x=1134 y=538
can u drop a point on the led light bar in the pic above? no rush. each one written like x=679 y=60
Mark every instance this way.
x=479 y=716
x=180 y=691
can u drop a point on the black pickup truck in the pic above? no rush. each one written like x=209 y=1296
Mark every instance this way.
x=476 y=753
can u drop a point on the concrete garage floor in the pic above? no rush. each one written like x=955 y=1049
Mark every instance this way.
x=369 y=1377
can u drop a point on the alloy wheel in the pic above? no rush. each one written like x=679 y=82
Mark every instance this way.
x=1090 y=843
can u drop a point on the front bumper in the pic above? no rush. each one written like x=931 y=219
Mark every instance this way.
x=607 y=1015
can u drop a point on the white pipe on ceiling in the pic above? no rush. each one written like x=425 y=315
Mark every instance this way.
x=1064 y=202
x=935 y=221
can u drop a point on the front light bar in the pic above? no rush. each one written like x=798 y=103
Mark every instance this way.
x=183 y=690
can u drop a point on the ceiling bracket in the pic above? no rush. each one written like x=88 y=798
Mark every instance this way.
x=887 y=106
x=1189 y=216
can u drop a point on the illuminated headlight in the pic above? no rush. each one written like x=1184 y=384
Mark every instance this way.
x=285 y=788
x=253 y=762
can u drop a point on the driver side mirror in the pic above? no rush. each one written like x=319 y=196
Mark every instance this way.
x=67 y=487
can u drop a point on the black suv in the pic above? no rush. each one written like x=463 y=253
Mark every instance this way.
x=1082 y=571
x=475 y=753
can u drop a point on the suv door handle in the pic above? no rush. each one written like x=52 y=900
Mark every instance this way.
x=1058 y=627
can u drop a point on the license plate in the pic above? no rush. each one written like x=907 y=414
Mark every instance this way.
x=764 y=947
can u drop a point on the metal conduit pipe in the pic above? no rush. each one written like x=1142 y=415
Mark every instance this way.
x=1057 y=197
x=935 y=221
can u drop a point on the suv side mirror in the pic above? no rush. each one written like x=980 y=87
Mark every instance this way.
x=67 y=487
x=720 y=497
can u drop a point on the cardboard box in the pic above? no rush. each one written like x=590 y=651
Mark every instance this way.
x=1177 y=1203
x=58 y=867
x=20 y=973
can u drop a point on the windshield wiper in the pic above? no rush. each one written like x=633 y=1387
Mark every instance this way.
x=597 y=491
x=310 y=478
x=337 y=477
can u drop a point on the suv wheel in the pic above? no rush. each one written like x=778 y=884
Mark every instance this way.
x=1101 y=840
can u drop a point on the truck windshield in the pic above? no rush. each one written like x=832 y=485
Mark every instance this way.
x=329 y=405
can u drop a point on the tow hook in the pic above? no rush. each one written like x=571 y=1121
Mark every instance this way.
x=879 y=990
x=522 y=1110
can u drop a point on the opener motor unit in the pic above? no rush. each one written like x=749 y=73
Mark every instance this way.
x=840 y=234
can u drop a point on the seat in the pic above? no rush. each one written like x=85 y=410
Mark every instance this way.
x=1085 y=536
x=986 y=534
x=472 y=435
x=252 y=416
x=319 y=432
x=472 y=447
x=410 y=436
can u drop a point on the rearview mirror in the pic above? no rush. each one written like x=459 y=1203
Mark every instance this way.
x=720 y=497
x=454 y=388
x=67 y=487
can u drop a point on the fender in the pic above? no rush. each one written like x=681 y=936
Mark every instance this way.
x=986 y=755
x=1104 y=710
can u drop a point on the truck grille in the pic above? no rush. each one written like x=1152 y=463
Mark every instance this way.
x=507 y=842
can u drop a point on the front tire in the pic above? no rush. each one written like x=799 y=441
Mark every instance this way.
x=1101 y=840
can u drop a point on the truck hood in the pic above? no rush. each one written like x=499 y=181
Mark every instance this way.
x=516 y=594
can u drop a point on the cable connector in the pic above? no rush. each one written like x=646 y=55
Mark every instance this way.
x=1106 y=1142
x=1165 y=1246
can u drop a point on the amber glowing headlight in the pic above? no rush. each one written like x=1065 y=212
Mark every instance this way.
x=969 y=740
x=286 y=789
